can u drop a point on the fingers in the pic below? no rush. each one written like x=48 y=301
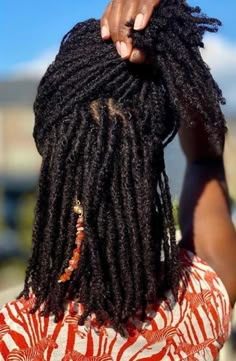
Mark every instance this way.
x=144 y=13
x=105 y=31
x=113 y=25
x=115 y=18
x=137 y=57
x=118 y=30
x=121 y=11
x=129 y=10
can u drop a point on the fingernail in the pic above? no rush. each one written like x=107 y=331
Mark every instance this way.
x=138 y=24
x=118 y=47
x=123 y=49
x=135 y=56
x=105 y=32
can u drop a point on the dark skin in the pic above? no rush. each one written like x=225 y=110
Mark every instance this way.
x=205 y=218
x=116 y=15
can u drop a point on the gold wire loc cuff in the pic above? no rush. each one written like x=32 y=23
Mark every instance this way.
x=78 y=209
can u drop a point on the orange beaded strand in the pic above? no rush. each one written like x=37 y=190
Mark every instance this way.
x=73 y=263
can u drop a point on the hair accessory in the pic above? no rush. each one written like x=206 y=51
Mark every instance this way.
x=73 y=263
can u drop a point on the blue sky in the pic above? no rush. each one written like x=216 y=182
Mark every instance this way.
x=30 y=28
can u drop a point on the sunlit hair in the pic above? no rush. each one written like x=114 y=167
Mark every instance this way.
x=101 y=125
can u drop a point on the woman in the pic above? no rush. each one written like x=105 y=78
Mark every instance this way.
x=107 y=279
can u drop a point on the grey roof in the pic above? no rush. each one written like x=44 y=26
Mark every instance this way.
x=18 y=92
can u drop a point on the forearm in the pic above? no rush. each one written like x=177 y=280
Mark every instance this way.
x=204 y=197
x=205 y=220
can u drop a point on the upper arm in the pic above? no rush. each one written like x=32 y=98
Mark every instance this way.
x=205 y=215
x=196 y=142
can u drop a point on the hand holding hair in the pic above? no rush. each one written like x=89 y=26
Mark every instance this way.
x=115 y=18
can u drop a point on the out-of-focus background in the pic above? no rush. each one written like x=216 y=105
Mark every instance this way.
x=30 y=34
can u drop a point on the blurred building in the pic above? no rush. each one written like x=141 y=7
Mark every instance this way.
x=19 y=161
x=230 y=158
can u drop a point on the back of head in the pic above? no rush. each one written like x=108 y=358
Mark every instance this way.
x=101 y=128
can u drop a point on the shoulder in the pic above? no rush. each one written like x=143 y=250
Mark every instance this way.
x=8 y=317
x=10 y=294
x=23 y=334
x=205 y=294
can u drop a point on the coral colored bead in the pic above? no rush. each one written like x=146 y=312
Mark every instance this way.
x=76 y=258
x=68 y=272
x=80 y=222
x=79 y=229
x=73 y=264
x=80 y=236
x=63 y=278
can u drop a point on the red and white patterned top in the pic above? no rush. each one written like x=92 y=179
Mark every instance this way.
x=194 y=329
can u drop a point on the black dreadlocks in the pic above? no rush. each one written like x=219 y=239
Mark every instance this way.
x=101 y=127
